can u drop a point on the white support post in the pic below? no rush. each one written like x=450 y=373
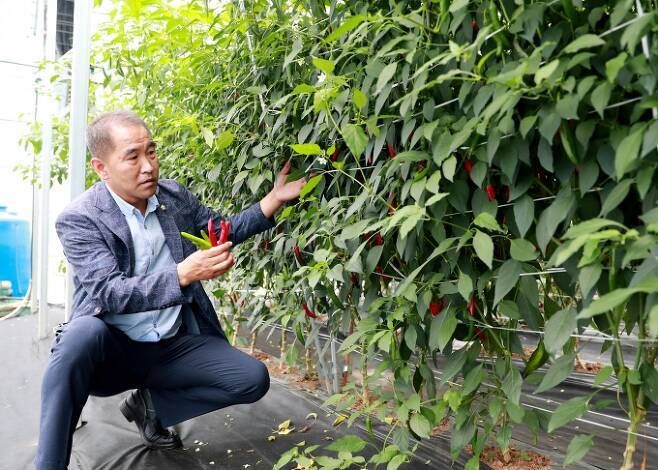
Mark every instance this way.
x=78 y=122
x=50 y=33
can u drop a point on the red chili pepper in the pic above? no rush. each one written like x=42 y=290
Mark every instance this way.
x=379 y=240
x=298 y=254
x=265 y=244
x=392 y=208
x=225 y=230
x=354 y=278
x=391 y=150
x=308 y=311
x=475 y=26
x=468 y=166
x=436 y=307
x=471 y=306
x=491 y=192
x=334 y=156
x=211 y=232
x=380 y=271
x=505 y=193
x=480 y=334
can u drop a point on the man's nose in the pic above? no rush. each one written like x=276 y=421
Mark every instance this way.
x=147 y=165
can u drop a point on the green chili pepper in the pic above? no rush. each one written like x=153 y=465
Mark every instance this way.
x=198 y=242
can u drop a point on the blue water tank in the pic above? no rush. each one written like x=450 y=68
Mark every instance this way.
x=15 y=250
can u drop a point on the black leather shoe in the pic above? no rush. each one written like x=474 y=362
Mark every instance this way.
x=137 y=408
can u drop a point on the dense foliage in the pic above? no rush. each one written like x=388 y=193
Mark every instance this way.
x=475 y=168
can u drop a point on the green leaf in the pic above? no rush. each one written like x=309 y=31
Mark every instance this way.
x=566 y=250
x=546 y=71
x=325 y=65
x=588 y=277
x=523 y=250
x=603 y=375
x=465 y=286
x=307 y=149
x=355 y=230
x=634 y=31
x=354 y=264
x=359 y=99
x=255 y=90
x=355 y=138
x=559 y=371
x=457 y=5
x=512 y=385
x=349 y=443
x=653 y=321
x=349 y=24
x=449 y=167
x=446 y=323
x=224 y=140
x=303 y=88
x=601 y=96
x=578 y=448
x=396 y=461
x=567 y=412
x=584 y=42
x=527 y=123
x=558 y=329
x=524 y=213
x=473 y=379
x=208 y=136
x=385 y=76
x=613 y=66
x=420 y=425
x=483 y=247
x=616 y=196
x=310 y=186
x=508 y=275
x=590 y=226
x=488 y=221
x=650 y=381
x=628 y=150
x=612 y=299
x=553 y=216
x=295 y=174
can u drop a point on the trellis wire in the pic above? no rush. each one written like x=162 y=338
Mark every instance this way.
x=604 y=336
x=437 y=375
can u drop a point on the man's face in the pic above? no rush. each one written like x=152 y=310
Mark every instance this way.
x=131 y=169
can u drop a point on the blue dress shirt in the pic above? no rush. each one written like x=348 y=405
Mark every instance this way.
x=151 y=255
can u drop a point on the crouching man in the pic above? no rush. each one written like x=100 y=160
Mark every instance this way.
x=140 y=318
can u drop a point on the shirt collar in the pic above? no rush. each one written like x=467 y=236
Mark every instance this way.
x=128 y=209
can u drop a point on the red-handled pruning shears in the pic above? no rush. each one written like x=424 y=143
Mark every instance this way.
x=225 y=229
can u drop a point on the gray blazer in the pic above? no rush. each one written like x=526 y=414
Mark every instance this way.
x=98 y=245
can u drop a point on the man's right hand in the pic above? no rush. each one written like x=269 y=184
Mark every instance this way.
x=205 y=264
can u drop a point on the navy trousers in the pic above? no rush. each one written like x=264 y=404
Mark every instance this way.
x=187 y=375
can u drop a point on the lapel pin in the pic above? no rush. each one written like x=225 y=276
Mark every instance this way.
x=163 y=207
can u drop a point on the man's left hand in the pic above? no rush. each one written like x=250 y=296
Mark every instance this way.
x=282 y=192
x=287 y=191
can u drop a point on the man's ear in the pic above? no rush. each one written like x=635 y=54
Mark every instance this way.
x=99 y=167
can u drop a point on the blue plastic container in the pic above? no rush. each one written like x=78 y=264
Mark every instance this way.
x=15 y=250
